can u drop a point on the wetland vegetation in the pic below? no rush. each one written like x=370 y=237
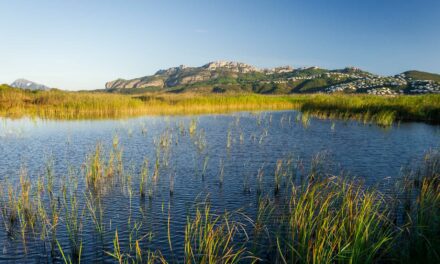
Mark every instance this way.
x=57 y=104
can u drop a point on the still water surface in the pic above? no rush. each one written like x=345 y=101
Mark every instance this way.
x=237 y=144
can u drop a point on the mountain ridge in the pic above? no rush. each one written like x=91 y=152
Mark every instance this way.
x=230 y=76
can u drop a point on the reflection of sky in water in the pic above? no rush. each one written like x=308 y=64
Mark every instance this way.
x=365 y=151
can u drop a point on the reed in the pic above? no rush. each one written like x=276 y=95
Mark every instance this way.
x=96 y=211
x=73 y=219
x=421 y=240
x=333 y=221
x=117 y=252
x=25 y=208
x=144 y=178
x=210 y=239
x=278 y=175
x=8 y=209
x=99 y=170
x=122 y=257
x=68 y=259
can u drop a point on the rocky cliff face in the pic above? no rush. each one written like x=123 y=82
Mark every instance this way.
x=231 y=66
x=135 y=83
x=183 y=75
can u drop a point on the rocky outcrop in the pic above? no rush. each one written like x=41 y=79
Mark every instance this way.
x=184 y=75
x=134 y=83
x=231 y=66
x=29 y=85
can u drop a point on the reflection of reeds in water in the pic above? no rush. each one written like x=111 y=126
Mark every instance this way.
x=143 y=178
x=205 y=165
x=192 y=127
x=172 y=175
x=260 y=175
x=228 y=139
x=221 y=173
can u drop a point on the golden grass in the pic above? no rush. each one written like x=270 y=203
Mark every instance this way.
x=15 y=103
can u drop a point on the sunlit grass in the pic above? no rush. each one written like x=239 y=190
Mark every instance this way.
x=15 y=103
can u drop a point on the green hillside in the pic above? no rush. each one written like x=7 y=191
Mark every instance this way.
x=420 y=75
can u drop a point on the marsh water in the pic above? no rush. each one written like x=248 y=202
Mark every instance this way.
x=213 y=158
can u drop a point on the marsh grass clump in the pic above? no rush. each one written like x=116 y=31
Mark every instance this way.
x=211 y=238
x=73 y=220
x=99 y=170
x=8 y=209
x=334 y=221
x=96 y=211
x=27 y=216
x=422 y=212
x=95 y=167
x=374 y=109
x=260 y=177
x=138 y=256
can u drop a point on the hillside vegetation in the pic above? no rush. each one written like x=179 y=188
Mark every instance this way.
x=235 y=77
x=419 y=75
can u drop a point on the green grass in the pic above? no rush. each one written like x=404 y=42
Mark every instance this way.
x=15 y=103
x=334 y=221
x=381 y=110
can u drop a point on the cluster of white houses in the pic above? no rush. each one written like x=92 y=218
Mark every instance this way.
x=371 y=84
x=427 y=86
x=384 y=85
x=384 y=91
x=367 y=83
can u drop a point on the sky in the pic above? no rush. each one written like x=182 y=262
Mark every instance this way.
x=79 y=45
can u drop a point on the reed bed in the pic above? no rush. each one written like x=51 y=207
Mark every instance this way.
x=374 y=109
x=15 y=103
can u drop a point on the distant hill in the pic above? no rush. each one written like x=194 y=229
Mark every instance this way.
x=419 y=75
x=236 y=77
x=30 y=85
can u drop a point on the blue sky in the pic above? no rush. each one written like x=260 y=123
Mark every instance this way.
x=82 y=44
